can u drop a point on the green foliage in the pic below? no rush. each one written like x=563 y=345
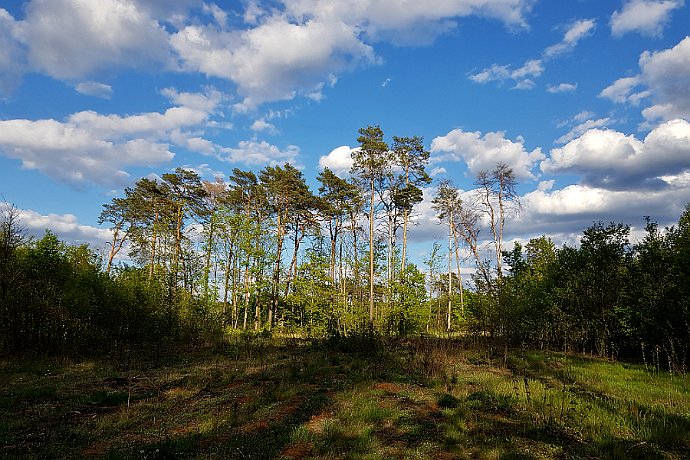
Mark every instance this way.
x=606 y=297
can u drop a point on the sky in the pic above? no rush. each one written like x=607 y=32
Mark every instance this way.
x=587 y=100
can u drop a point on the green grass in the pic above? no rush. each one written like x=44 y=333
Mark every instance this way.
x=279 y=398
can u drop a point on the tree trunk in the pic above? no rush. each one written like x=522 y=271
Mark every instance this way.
x=371 y=256
x=450 y=273
x=153 y=246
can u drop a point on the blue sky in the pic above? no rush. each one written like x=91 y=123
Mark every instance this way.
x=588 y=100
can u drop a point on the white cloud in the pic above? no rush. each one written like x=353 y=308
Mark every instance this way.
x=206 y=102
x=572 y=209
x=95 y=89
x=69 y=153
x=578 y=30
x=582 y=127
x=261 y=125
x=622 y=91
x=483 y=153
x=294 y=51
x=667 y=76
x=379 y=16
x=437 y=171
x=93 y=148
x=646 y=17
x=664 y=79
x=65 y=226
x=275 y=60
x=562 y=88
x=494 y=73
x=583 y=116
x=610 y=160
x=193 y=143
x=77 y=38
x=12 y=63
x=531 y=68
x=283 y=50
x=564 y=213
x=258 y=153
x=205 y=171
x=525 y=84
x=339 y=160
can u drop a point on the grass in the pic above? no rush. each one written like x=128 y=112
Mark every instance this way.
x=290 y=399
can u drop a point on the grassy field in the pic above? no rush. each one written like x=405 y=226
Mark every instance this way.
x=358 y=398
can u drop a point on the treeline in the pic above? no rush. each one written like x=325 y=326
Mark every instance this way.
x=191 y=260
x=56 y=299
x=608 y=297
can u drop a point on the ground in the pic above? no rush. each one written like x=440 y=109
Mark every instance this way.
x=259 y=397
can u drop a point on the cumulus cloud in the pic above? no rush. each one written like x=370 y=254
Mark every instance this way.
x=483 y=153
x=646 y=17
x=274 y=60
x=89 y=147
x=77 y=38
x=12 y=63
x=95 y=89
x=610 y=160
x=339 y=160
x=280 y=51
x=570 y=210
x=667 y=76
x=69 y=153
x=664 y=80
x=65 y=226
x=578 y=30
x=259 y=153
x=381 y=16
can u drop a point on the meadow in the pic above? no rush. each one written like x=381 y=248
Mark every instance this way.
x=364 y=396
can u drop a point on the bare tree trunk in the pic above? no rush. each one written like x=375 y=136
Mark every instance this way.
x=457 y=264
x=450 y=276
x=152 y=261
x=115 y=247
x=371 y=256
x=209 y=250
x=404 y=245
x=292 y=270
x=226 y=283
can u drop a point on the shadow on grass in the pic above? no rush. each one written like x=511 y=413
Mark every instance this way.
x=347 y=398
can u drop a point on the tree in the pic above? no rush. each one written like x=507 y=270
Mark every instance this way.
x=244 y=225
x=497 y=192
x=411 y=156
x=184 y=195
x=12 y=237
x=369 y=164
x=448 y=204
x=338 y=198
x=145 y=211
x=215 y=193
x=433 y=263
x=285 y=189
x=117 y=214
